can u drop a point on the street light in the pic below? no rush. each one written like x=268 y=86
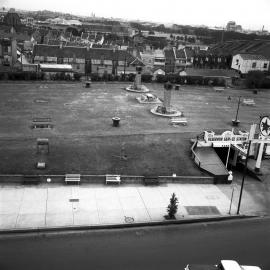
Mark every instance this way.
x=235 y=121
x=243 y=179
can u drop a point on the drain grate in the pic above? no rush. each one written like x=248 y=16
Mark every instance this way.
x=202 y=210
x=41 y=125
x=42 y=119
x=73 y=200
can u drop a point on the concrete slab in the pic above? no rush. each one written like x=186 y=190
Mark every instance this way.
x=8 y=221
x=59 y=219
x=82 y=217
x=30 y=221
x=35 y=193
x=157 y=214
x=11 y=194
x=54 y=207
x=109 y=203
x=87 y=204
x=10 y=207
x=33 y=207
x=115 y=216
x=56 y=193
x=129 y=203
x=138 y=214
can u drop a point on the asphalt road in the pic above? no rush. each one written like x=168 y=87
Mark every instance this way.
x=172 y=247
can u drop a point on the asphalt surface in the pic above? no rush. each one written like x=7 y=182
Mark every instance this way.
x=172 y=247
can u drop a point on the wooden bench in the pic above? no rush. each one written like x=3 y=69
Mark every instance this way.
x=179 y=121
x=113 y=178
x=248 y=102
x=151 y=180
x=73 y=178
x=219 y=89
x=31 y=179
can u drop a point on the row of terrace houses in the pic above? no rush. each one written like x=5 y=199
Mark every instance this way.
x=86 y=60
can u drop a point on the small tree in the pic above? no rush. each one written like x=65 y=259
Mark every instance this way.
x=172 y=207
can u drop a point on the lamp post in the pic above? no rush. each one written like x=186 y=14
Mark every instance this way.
x=243 y=179
x=235 y=121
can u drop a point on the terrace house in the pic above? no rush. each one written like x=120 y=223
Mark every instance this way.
x=86 y=60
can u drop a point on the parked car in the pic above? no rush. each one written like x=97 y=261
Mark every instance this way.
x=223 y=265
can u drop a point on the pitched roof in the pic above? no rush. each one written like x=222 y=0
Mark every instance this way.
x=82 y=53
x=254 y=57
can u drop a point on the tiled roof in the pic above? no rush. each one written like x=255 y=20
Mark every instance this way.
x=82 y=53
x=253 y=57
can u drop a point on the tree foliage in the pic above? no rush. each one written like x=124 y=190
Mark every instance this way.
x=173 y=206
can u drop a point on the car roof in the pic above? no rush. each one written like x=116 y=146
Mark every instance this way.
x=230 y=265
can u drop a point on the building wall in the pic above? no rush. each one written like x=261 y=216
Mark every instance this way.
x=244 y=66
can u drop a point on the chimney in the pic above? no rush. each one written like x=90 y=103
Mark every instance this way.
x=61 y=44
x=88 y=47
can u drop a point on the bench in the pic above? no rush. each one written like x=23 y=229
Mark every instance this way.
x=31 y=179
x=73 y=178
x=151 y=180
x=219 y=89
x=248 y=102
x=113 y=178
x=179 y=121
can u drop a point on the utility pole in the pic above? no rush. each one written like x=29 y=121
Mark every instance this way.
x=243 y=179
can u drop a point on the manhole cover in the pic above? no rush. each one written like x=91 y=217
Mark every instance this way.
x=129 y=219
x=202 y=210
x=73 y=200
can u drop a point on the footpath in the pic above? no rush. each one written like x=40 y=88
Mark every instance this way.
x=55 y=205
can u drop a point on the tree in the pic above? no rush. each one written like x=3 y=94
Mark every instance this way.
x=254 y=79
x=172 y=207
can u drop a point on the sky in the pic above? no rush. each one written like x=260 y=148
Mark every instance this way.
x=248 y=13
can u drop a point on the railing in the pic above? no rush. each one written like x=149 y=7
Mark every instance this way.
x=194 y=155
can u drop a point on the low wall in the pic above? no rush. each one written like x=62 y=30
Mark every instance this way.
x=100 y=179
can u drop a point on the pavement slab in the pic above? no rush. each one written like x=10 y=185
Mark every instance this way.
x=53 y=205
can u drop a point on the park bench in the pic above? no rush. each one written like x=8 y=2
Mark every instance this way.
x=248 y=102
x=73 y=178
x=179 y=121
x=113 y=178
x=150 y=180
x=31 y=179
x=219 y=89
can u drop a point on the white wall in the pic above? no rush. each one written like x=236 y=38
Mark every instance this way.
x=244 y=66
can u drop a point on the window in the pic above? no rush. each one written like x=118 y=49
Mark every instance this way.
x=254 y=65
x=265 y=65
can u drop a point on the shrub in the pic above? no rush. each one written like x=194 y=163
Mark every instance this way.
x=254 y=79
x=172 y=207
x=147 y=78
x=77 y=76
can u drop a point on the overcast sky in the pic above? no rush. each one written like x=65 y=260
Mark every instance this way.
x=249 y=13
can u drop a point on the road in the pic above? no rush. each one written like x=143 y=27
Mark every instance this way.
x=172 y=247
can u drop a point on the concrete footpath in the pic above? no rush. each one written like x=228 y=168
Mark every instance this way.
x=53 y=205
